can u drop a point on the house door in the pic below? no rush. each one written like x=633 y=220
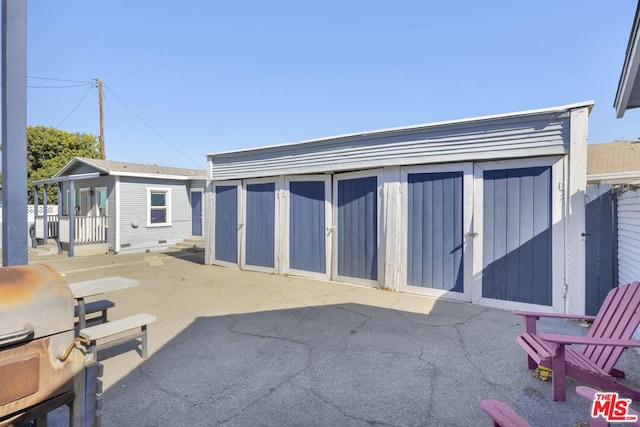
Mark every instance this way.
x=84 y=202
x=356 y=234
x=196 y=213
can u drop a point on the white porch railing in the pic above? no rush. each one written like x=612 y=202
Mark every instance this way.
x=89 y=229
x=52 y=226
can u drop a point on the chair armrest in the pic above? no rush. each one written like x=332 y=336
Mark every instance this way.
x=530 y=318
x=573 y=339
x=553 y=315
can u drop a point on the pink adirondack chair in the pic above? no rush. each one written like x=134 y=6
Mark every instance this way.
x=502 y=415
x=594 y=362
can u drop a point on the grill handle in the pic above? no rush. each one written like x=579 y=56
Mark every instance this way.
x=16 y=336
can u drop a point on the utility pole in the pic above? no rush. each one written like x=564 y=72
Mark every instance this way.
x=99 y=85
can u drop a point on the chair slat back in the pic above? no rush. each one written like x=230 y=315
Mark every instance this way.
x=618 y=318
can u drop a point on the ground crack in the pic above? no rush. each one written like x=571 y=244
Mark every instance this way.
x=337 y=408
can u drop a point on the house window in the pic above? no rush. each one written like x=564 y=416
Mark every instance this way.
x=101 y=200
x=159 y=207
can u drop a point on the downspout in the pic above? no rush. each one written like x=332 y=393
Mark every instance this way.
x=117 y=214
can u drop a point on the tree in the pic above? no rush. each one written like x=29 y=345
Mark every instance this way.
x=49 y=150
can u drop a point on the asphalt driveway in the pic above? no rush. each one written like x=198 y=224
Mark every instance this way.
x=235 y=348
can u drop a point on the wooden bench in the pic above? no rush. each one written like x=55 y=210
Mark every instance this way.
x=136 y=326
x=94 y=307
x=502 y=415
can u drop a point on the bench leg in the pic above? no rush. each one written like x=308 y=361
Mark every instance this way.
x=144 y=341
x=93 y=349
x=104 y=316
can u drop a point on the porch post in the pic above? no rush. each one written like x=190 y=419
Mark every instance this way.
x=60 y=212
x=34 y=239
x=44 y=213
x=72 y=215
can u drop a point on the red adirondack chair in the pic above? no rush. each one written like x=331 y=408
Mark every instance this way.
x=594 y=362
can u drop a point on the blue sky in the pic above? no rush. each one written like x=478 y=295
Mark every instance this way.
x=210 y=76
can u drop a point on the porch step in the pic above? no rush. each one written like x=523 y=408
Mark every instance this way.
x=51 y=248
x=197 y=241
x=194 y=244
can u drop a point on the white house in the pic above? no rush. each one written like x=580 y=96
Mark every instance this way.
x=487 y=210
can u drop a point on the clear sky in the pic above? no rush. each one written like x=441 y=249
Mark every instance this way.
x=215 y=75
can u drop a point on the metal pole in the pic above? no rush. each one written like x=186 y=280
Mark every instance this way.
x=45 y=218
x=14 y=132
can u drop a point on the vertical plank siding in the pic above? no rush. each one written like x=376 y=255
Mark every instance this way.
x=358 y=228
x=517 y=235
x=628 y=237
x=307 y=226
x=260 y=224
x=600 y=266
x=435 y=202
x=226 y=223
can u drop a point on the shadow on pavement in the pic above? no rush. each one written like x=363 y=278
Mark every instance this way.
x=345 y=364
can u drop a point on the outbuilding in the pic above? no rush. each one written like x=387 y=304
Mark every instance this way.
x=488 y=210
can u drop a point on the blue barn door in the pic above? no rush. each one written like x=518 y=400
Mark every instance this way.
x=309 y=218
x=435 y=231
x=259 y=226
x=225 y=247
x=357 y=228
x=517 y=235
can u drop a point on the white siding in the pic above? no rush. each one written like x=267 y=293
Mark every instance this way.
x=541 y=134
x=135 y=235
x=629 y=236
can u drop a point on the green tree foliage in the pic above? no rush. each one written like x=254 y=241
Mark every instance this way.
x=49 y=150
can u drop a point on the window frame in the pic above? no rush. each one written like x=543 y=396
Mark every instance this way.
x=166 y=207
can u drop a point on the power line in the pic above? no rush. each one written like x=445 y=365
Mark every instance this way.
x=77 y=105
x=58 y=80
x=58 y=87
x=150 y=128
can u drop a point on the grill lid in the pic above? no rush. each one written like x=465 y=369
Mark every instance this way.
x=35 y=302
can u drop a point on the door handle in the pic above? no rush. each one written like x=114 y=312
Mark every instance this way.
x=467 y=235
